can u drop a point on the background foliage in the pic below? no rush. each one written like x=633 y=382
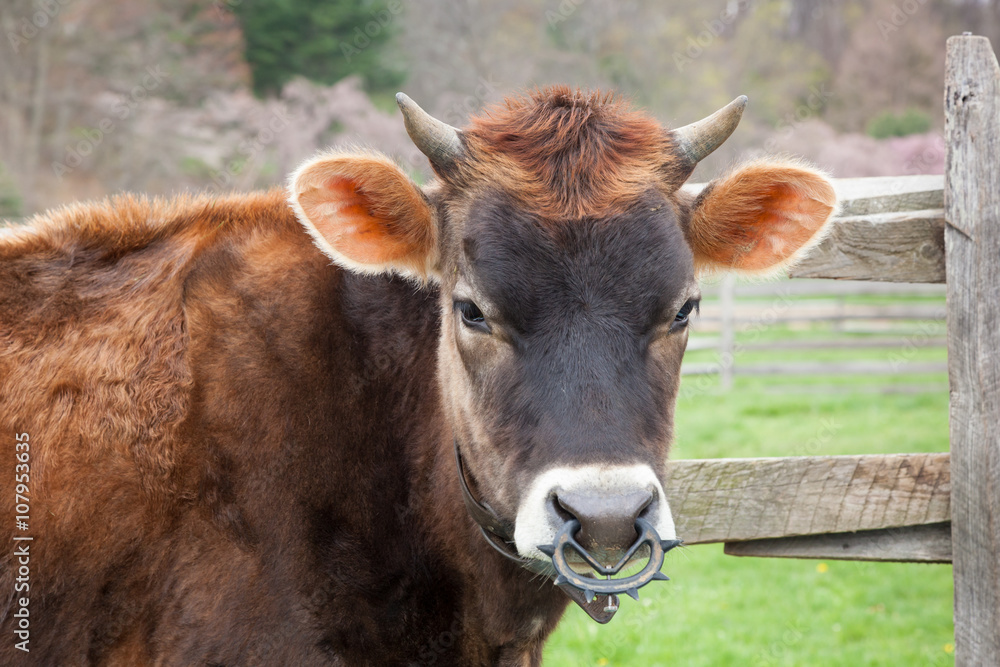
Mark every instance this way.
x=248 y=88
x=320 y=40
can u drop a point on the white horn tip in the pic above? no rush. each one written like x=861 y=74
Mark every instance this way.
x=697 y=140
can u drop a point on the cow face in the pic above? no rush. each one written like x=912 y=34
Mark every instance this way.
x=567 y=261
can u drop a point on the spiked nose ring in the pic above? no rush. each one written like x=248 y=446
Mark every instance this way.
x=591 y=586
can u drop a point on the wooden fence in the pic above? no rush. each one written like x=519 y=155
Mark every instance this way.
x=730 y=312
x=738 y=321
x=935 y=508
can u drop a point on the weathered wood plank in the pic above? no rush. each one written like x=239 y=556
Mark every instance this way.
x=841 y=368
x=843 y=343
x=903 y=247
x=815 y=287
x=819 y=368
x=881 y=194
x=723 y=500
x=759 y=313
x=885 y=389
x=888 y=194
x=861 y=343
x=972 y=241
x=911 y=544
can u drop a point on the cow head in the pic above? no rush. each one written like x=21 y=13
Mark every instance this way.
x=567 y=260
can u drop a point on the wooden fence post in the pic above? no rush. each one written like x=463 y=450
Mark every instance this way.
x=972 y=247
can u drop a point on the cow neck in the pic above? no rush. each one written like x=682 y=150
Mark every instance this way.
x=499 y=534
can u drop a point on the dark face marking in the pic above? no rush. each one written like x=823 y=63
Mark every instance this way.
x=582 y=359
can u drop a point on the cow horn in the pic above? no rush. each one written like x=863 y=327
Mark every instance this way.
x=439 y=141
x=696 y=141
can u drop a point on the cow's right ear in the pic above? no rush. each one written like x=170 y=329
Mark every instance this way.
x=366 y=214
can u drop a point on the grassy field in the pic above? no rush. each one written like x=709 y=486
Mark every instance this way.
x=722 y=610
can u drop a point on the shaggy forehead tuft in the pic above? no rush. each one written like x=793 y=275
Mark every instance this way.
x=568 y=154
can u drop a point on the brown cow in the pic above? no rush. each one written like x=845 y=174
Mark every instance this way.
x=236 y=452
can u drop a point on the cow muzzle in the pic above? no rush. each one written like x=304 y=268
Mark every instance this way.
x=591 y=539
x=607 y=523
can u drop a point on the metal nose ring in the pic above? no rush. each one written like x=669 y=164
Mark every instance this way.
x=592 y=586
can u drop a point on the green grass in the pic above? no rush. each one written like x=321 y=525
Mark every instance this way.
x=722 y=610
x=751 y=421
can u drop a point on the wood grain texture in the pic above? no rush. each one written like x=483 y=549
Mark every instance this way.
x=818 y=287
x=972 y=241
x=904 y=246
x=819 y=368
x=911 y=544
x=722 y=500
x=888 y=194
x=866 y=343
x=816 y=310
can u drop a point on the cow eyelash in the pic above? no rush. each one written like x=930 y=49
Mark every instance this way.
x=472 y=317
x=683 y=315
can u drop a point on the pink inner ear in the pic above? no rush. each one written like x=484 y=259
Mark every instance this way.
x=787 y=220
x=342 y=215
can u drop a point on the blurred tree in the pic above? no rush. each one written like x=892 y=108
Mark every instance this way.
x=894 y=61
x=785 y=79
x=78 y=79
x=888 y=124
x=322 y=40
x=25 y=89
x=11 y=205
x=154 y=94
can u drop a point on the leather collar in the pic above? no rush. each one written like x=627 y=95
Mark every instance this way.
x=499 y=533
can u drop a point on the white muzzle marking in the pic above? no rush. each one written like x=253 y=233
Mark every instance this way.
x=537 y=524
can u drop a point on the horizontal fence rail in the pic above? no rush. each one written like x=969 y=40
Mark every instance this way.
x=810 y=311
x=736 y=500
x=888 y=229
x=820 y=368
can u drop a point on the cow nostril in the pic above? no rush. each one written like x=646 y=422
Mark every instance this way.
x=646 y=506
x=607 y=521
x=556 y=508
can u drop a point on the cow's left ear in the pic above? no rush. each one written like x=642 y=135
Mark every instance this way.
x=760 y=217
x=366 y=214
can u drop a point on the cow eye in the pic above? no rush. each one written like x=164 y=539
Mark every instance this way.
x=681 y=319
x=472 y=317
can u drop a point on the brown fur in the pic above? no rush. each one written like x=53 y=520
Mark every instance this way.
x=225 y=432
x=93 y=366
x=567 y=154
x=84 y=276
